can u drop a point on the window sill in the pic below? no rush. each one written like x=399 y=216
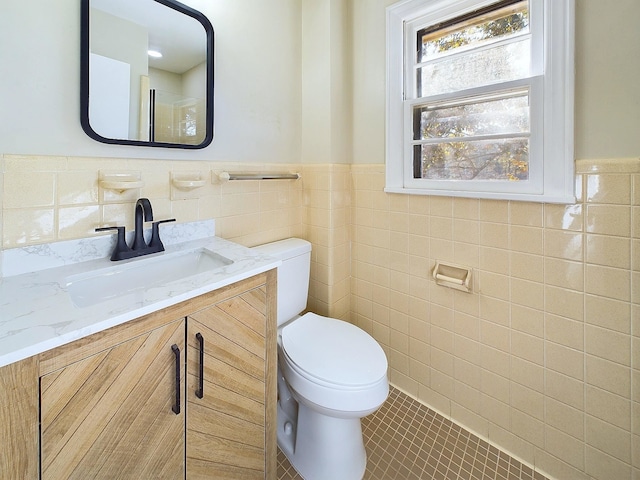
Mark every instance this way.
x=562 y=199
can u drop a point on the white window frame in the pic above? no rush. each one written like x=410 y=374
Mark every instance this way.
x=552 y=103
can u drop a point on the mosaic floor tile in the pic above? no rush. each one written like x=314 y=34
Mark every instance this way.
x=406 y=440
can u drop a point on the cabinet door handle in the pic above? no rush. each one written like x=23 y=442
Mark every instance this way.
x=176 y=406
x=200 y=391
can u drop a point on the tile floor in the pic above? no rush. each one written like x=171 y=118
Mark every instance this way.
x=406 y=440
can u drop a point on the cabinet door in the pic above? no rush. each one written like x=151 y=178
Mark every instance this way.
x=226 y=427
x=110 y=416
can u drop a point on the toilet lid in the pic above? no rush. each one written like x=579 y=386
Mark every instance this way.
x=334 y=351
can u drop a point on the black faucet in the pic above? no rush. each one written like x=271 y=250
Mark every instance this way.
x=144 y=213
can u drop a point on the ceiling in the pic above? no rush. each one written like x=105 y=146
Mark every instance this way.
x=180 y=38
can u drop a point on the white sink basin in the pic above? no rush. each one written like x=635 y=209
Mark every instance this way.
x=137 y=275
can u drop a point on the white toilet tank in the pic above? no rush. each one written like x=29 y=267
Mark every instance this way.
x=293 y=275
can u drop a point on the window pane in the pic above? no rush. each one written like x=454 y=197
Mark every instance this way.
x=473 y=31
x=490 y=117
x=506 y=160
x=475 y=69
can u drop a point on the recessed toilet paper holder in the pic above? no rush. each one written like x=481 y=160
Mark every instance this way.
x=452 y=276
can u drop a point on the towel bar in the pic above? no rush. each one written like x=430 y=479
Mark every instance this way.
x=225 y=176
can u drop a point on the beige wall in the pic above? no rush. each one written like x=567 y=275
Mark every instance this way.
x=607 y=112
x=607 y=72
x=327 y=225
x=326 y=82
x=543 y=358
x=41 y=114
x=47 y=199
x=50 y=198
x=257 y=83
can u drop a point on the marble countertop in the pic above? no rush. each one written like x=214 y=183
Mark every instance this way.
x=37 y=313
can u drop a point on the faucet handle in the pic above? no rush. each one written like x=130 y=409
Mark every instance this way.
x=121 y=244
x=164 y=221
x=155 y=241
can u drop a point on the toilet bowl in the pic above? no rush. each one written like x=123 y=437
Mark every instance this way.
x=337 y=374
x=333 y=364
x=330 y=375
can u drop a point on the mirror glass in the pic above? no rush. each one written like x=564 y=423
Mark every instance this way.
x=147 y=73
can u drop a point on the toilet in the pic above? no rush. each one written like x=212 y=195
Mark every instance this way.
x=330 y=375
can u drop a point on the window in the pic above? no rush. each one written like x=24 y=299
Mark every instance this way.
x=480 y=99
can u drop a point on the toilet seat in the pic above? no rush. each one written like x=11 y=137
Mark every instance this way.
x=333 y=353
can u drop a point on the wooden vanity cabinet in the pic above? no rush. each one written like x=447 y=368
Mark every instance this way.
x=227 y=381
x=19 y=420
x=109 y=407
x=110 y=415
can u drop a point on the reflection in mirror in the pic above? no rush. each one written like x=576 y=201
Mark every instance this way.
x=147 y=73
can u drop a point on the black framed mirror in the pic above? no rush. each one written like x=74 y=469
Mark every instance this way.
x=146 y=73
